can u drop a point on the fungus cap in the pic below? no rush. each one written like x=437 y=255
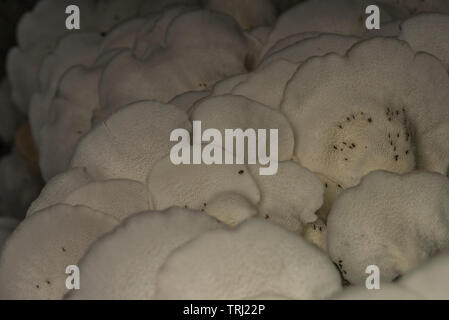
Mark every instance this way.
x=291 y=197
x=133 y=253
x=428 y=33
x=193 y=186
x=394 y=222
x=238 y=112
x=113 y=149
x=254 y=259
x=119 y=198
x=58 y=188
x=35 y=257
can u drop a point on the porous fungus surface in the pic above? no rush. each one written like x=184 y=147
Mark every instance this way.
x=392 y=221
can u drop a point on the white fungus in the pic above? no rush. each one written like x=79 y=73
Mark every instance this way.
x=113 y=149
x=256 y=258
x=357 y=112
x=35 y=257
x=133 y=253
x=394 y=222
x=193 y=186
x=291 y=197
x=119 y=198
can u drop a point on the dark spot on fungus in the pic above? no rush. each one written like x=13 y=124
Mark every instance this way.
x=370 y=120
x=325 y=185
x=353 y=145
x=340 y=126
x=406 y=151
x=103 y=34
x=396 y=157
x=241 y=172
x=346 y=159
x=335 y=147
x=339 y=186
x=267 y=216
x=48 y=282
x=63 y=249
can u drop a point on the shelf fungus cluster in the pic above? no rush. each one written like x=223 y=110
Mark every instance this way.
x=363 y=151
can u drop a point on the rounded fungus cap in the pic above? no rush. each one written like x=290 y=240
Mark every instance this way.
x=58 y=188
x=35 y=257
x=254 y=259
x=380 y=92
x=186 y=100
x=119 y=198
x=266 y=84
x=133 y=253
x=320 y=45
x=238 y=112
x=394 y=222
x=193 y=186
x=230 y=208
x=69 y=118
x=346 y=17
x=428 y=33
x=427 y=281
x=114 y=149
x=206 y=46
x=291 y=197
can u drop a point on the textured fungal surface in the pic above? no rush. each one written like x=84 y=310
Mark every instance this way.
x=224 y=149
x=394 y=222
x=135 y=251
x=188 y=274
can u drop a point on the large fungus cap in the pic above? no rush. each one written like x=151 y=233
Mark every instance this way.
x=238 y=112
x=35 y=257
x=257 y=258
x=114 y=149
x=132 y=255
x=394 y=222
x=382 y=104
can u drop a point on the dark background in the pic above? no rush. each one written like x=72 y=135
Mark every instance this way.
x=10 y=13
